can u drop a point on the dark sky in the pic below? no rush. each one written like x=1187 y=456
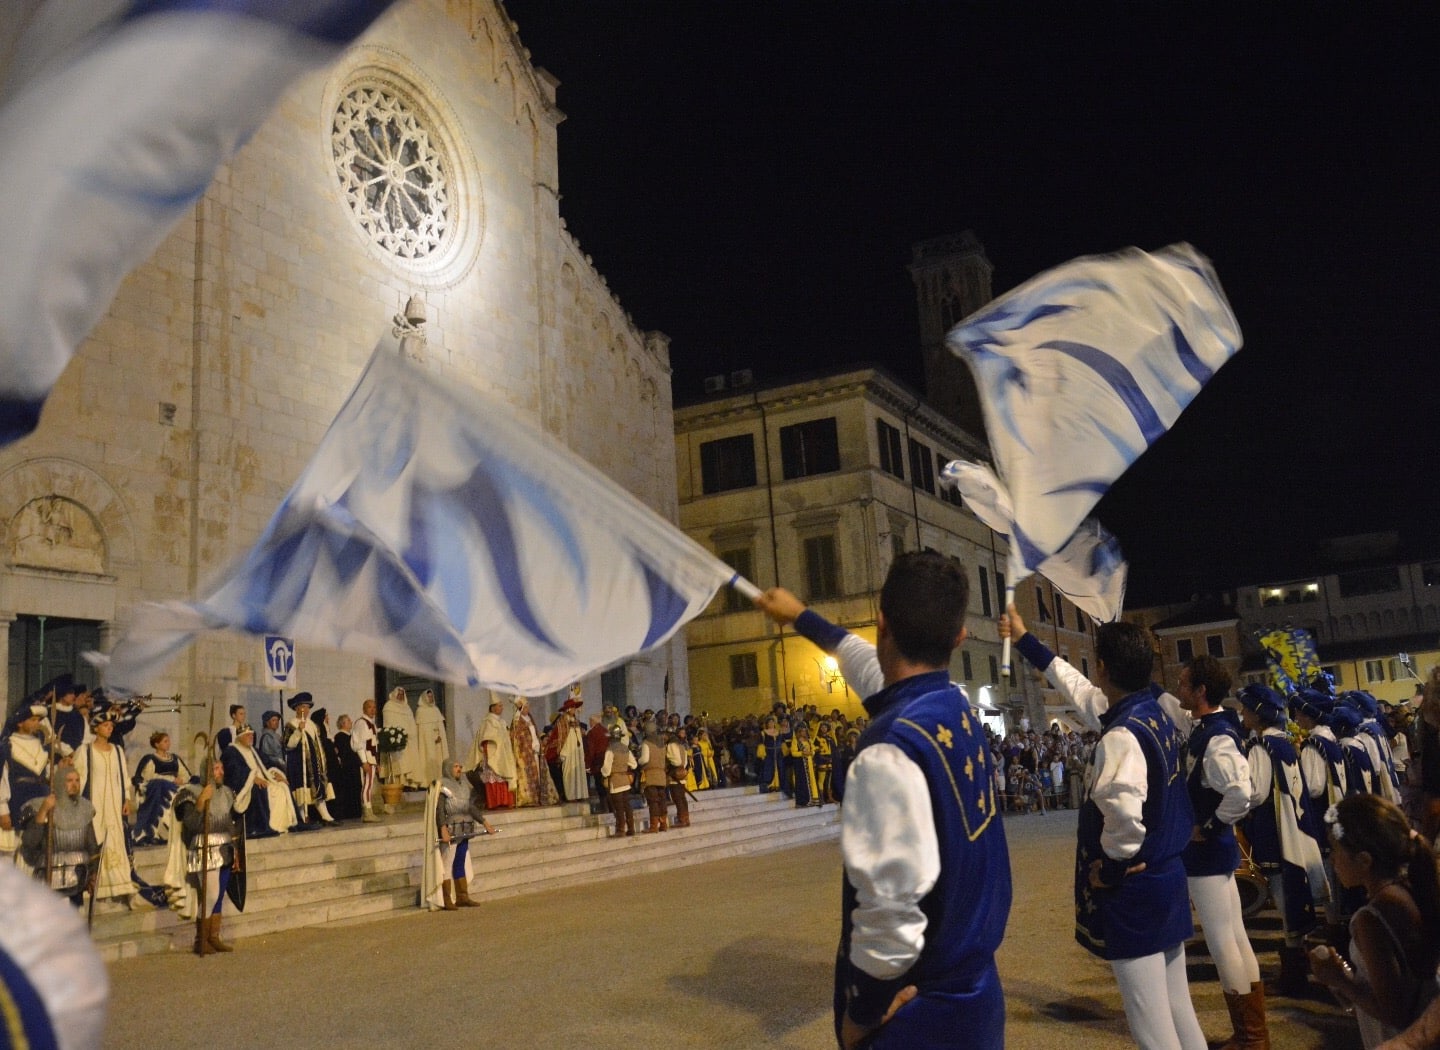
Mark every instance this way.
x=750 y=178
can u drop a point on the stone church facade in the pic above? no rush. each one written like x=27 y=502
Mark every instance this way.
x=419 y=170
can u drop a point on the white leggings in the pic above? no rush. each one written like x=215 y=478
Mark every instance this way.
x=1217 y=902
x=1156 y=994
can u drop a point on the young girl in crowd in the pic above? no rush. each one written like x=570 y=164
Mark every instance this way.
x=1395 y=935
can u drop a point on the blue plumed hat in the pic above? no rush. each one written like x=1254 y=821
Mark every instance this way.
x=1268 y=705
x=1344 y=719
x=1312 y=703
x=1363 y=702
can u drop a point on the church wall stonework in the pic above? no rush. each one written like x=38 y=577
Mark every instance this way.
x=201 y=395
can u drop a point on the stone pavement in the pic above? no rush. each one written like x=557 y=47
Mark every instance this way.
x=732 y=953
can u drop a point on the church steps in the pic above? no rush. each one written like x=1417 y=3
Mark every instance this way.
x=362 y=872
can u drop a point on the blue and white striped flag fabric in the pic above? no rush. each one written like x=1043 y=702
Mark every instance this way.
x=437 y=531
x=116 y=115
x=1090 y=569
x=1083 y=368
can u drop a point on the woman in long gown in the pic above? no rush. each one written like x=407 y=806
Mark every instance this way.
x=158 y=776
x=106 y=779
x=572 y=753
x=404 y=763
x=431 y=746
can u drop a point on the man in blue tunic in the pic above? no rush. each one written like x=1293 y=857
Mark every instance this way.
x=926 y=870
x=1132 y=904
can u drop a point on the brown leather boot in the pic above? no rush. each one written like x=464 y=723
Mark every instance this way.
x=1252 y=1031
x=462 y=894
x=445 y=893
x=212 y=935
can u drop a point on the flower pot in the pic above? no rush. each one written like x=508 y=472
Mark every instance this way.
x=391 y=793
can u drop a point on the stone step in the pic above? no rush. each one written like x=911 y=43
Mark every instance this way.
x=363 y=872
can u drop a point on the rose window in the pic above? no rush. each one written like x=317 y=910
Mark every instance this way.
x=392 y=172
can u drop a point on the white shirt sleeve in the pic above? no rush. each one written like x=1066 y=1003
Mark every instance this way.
x=1119 y=789
x=1315 y=771
x=607 y=763
x=1078 y=690
x=860 y=666
x=892 y=858
x=1262 y=774
x=1225 y=770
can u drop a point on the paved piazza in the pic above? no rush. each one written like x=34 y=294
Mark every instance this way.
x=732 y=953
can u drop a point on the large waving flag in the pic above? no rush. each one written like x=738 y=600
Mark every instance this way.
x=437 y=531
x=1090 y=569
x=1079 y=371
x=116 y=115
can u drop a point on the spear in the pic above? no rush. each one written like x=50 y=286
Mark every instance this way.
x=201 y=942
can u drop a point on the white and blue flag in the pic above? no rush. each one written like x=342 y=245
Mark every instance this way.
x=1079 y=371
x=437 y=531
x=116 y=115
x=1090 y=569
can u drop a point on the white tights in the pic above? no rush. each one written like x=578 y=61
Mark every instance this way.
x=1156 y=994
x=1217 y=902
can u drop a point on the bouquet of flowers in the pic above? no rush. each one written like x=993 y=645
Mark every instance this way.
x=391 y=740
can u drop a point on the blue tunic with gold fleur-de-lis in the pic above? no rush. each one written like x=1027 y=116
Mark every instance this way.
x=930 y=720
x=1148 y=911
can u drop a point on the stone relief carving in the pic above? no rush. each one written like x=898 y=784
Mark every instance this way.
x=56 y=533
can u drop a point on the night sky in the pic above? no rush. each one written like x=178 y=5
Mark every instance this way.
x=750 y=179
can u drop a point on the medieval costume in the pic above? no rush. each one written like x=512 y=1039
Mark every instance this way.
x=677 y=769
x=347 y=774
x=366 y=743
x=209 y=834
x=768 y=754
x=824 y=745
x=616 y=768
x=270 y=743
x=305 y=764
x=801 y=753
x=571 y=743
x=61 y=838
x=405 y=763
x=158 y=776
x=450 y=823
x=431 y=745
x=531 y=788
x=492 y=749
x=24 y=768
x=1283 y=830
x=653 y=777
x=106 y=779
x=262 y=797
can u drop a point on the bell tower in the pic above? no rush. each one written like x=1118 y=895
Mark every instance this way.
x=952 y=281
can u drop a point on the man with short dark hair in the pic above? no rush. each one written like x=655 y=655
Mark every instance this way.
x=1219 y=786
x=927 y=872
x=1132 y=905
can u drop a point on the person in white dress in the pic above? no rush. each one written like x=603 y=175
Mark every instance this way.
x=431 y=746
x=106 y=779
x=404 y=764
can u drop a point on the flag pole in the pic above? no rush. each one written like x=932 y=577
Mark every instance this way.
x=745 y=587
x=1005 y=648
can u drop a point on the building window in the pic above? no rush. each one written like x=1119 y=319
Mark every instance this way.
x=809 y=448
x=742 y=563
x=822 y=578
x=1085 y=667
x=1184 y=650
x=744 y=671
x=1334 y=673
x=965 y=664
x=949 y=493
x=1000 y=590
x=1383 y=579
x=1374 y=671
x=393 y=172
x=728 y=463
x=1040 y=604
x=922 y=467
x=994 y=670
x=1214 y=643
x=1430 y=573
x=985 y=593
x=1059 y=611
x=612 y=688
x=889 y=439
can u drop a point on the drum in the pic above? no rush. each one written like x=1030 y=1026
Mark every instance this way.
x=1254 y=890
